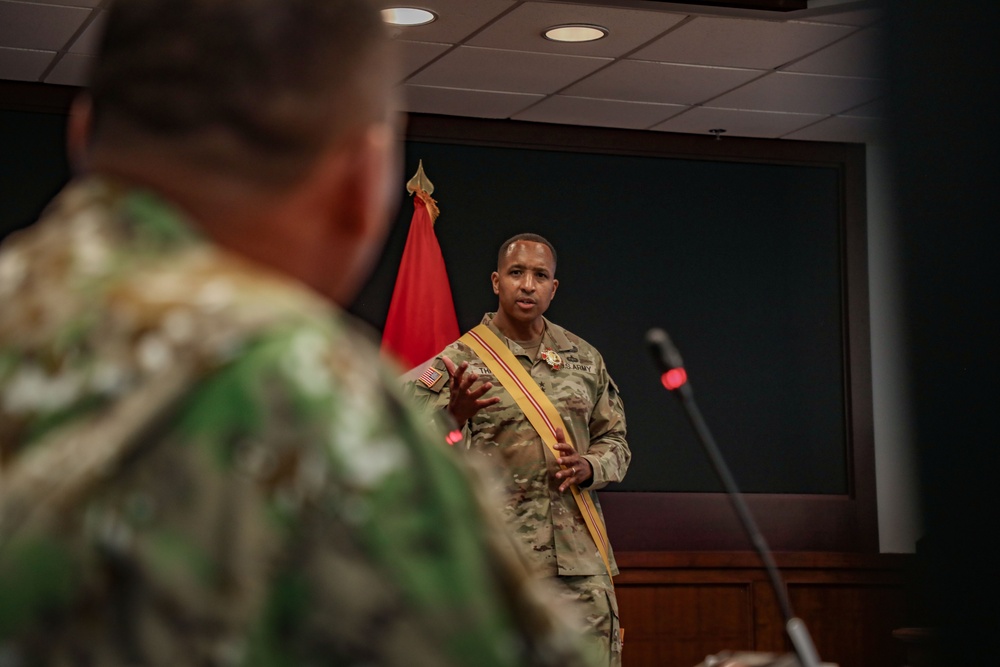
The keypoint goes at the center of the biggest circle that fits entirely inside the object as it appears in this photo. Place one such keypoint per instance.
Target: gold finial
(422, 187)
(420, 181)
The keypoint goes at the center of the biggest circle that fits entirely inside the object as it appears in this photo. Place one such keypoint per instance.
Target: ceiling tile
(640, 81)
(457, 19)
(73, 69)
(458, 102)
(842, 128)
(89, 40)
(521, 29)
(474, 68)
(801, 93)
(598, 113)
(23, 64)
(42, 27)
(414, 55)
(856, 55)
(737, 123)
(731, 42)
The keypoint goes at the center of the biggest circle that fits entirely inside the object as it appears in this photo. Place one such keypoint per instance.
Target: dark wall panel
(32, 165)
(739, 261)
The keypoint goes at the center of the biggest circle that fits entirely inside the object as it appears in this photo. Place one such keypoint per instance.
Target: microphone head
(663, 351)
(656, 336)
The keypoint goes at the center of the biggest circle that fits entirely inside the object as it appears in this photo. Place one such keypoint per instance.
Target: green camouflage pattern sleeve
(201, 463)
(547, 523)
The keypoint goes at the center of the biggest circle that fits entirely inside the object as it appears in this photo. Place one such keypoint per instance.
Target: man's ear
(495, 279)
(79, 127)
(555, 286)
(359, 183)
(348, 197)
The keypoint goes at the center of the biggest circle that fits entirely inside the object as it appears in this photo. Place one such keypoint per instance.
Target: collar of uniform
(557, 335)
(554, 336)
(157, 223)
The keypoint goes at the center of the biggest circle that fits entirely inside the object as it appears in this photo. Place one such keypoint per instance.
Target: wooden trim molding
(36, 97)
(651, 521)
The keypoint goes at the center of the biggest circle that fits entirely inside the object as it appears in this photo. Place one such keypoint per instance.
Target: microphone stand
(668, 359)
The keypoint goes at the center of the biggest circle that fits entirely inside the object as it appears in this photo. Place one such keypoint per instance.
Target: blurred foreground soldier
(538, 401)
(200, 463)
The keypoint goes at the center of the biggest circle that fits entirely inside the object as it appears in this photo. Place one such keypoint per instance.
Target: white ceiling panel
(598, 113)
(753, 44)
(458, 102)
(735, 122)
(25, 25)
(73, 69)
(801, 93)
(842, 128)
(640, 81)
(856, 55)
(457, 19)
(414, 55)
(23, 64)
(475, 68)
(752, 73)
(89, 40)
(522, 29)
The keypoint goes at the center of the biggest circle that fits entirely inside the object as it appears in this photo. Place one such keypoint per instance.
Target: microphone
(668, 360)
(674, 378)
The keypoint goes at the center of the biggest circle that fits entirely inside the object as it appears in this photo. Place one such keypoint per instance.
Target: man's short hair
(533, 238)
(252, 87)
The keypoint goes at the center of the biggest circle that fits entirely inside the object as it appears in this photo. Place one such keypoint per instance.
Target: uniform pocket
(617, 634)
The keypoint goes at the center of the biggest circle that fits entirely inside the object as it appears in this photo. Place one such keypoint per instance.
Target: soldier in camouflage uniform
(539, 507)
(201, 462)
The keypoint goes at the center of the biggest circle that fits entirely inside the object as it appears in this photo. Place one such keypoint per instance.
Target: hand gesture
(576, 469)
(465, 399)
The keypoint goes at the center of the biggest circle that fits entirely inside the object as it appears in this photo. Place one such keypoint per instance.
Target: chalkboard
(741, 261)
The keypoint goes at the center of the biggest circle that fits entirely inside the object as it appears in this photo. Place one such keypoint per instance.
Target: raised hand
(466, 393)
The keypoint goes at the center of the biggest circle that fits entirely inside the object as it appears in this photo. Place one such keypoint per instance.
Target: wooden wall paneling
(681, 623)
(679, 607)
(852, 623)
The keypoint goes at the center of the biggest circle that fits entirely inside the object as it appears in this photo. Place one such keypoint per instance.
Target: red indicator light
(674, 378)
(453, 437)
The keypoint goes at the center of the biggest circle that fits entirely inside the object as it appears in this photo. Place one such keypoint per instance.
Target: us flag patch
(429, 376)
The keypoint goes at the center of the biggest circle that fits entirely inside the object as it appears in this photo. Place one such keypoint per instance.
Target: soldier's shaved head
(506, 247)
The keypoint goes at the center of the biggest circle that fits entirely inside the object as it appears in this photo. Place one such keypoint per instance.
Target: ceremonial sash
(540, 413)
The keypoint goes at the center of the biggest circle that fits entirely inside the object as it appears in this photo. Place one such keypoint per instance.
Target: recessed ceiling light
(576, 32)
(408, 16)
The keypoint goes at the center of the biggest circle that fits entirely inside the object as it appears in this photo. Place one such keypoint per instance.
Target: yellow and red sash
(540, 413)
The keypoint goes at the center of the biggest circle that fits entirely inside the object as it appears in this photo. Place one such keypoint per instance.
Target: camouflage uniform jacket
(547, 522)
(202, 463)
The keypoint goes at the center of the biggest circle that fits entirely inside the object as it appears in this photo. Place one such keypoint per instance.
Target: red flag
(421, 320)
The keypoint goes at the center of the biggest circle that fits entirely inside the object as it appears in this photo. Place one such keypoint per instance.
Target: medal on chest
(552, 358)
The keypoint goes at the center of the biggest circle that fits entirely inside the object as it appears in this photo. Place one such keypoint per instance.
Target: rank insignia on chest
(552, 358)
(429, 376)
